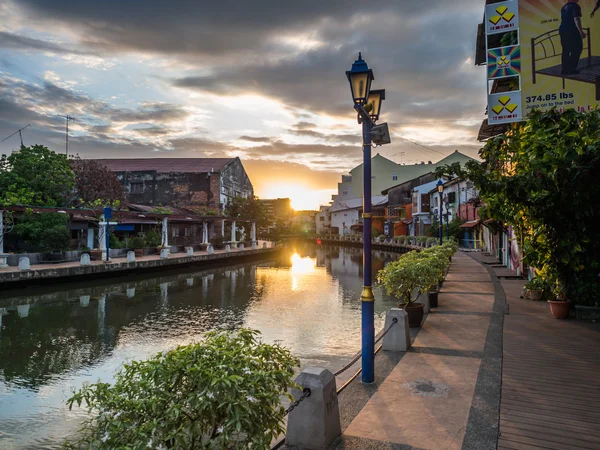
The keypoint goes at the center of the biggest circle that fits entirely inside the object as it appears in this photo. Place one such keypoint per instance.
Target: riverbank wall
(12, 278)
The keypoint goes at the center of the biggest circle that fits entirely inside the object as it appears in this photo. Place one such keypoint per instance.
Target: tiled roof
(166, 165)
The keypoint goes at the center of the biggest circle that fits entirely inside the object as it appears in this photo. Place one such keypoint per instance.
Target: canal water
(54, 339)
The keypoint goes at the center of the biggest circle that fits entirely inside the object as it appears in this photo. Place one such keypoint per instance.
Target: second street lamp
(367, 104)
(440, 188)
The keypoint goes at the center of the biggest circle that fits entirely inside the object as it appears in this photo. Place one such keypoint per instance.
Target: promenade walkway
(476, 378)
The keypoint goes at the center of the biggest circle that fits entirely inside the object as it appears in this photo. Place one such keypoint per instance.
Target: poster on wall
(560, 53)
(554, 59)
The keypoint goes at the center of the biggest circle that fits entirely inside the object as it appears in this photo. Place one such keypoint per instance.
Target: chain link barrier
(305, 395)
(357, 357)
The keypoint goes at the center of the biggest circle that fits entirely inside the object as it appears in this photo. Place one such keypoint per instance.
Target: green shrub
(137, 242)
(222, 393)
(152, 239)
(56, 238)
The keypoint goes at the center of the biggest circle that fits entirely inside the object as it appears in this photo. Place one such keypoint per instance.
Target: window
(136, 188)
(424, 202)
(322, 218)
(187, 232)
(394, 177)
(345, 192)
(451, 197)
(345, 215)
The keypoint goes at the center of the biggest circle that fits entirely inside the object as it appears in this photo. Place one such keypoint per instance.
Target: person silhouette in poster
(595, 9)
(571, 36)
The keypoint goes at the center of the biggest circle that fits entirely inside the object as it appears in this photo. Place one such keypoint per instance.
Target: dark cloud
(15, 41)
(257, 139)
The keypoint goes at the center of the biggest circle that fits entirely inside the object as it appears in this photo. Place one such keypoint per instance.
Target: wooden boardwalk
(550, 379)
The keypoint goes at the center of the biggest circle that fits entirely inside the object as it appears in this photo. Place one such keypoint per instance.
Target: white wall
(344, 219)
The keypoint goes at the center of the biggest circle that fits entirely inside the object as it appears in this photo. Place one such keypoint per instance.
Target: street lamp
(367, 104)
(440, 188)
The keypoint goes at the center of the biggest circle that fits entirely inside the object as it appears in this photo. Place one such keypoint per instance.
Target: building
(386, 173)
(182, 182)
(279, 209)
(305, 221)
(346, 217)
(323, 220)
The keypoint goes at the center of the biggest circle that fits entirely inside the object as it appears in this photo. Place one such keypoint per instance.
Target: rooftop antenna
(20, 135)
(68, 118)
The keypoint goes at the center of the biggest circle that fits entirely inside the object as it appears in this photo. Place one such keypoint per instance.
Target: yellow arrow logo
(504, 104)
(504, 14)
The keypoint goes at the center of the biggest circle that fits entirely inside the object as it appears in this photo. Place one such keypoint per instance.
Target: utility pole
(68, 118)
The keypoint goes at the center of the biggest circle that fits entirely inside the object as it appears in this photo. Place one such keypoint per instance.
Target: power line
(421, 145)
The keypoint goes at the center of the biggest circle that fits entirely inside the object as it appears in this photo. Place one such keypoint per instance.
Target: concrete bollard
(85, 260)
(315, 422)
(189, 251)
(241, 246)
(164, 253)
(130, 256)
(264, 245)
(24, 264)
(130, 292)
(254, 246)
(210, 250)
(398, 338)
(227, 248)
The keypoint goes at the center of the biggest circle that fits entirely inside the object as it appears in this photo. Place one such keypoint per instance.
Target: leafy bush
(536, 284)
(152, 239)
(56, 238)
(137, 242)
(114, 242)
(222, 393)
(31, 226)
(410, 274)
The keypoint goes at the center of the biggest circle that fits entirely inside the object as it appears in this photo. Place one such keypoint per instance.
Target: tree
(35, 176)
(541, 177)
(43, 231)
(95, 184)
(247, 208)
(222, 393)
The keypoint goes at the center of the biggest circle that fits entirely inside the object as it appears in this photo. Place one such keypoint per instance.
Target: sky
(262, 80)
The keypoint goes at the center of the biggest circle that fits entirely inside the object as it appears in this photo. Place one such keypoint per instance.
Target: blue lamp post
(440, 188)
(367, 104)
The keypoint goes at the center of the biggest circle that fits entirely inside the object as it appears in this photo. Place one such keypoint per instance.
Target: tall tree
(246, 208)
(35, 176)
(95, 184)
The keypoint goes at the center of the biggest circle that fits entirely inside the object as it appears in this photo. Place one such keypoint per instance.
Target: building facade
(182, 182)
(323, 220)
(278, 209)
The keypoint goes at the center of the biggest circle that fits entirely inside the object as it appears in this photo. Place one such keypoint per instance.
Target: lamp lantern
(376, 96)
(360, 78)
(440, 185)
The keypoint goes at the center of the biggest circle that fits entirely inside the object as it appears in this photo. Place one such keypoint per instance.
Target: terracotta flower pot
(415, 313)
(96, 255)
(138, 252)
(559, 309)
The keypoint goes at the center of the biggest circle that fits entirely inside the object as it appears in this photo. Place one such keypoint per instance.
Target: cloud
(18, 42)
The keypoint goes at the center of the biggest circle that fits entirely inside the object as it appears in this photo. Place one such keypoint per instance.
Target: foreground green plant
(222, 393)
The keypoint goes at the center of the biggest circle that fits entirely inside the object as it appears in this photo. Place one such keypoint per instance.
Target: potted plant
(560, 306)
(137, 243)
(404, 278)
(96, 254)
(535, 288)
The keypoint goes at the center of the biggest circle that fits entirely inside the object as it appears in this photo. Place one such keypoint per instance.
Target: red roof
(166, 165)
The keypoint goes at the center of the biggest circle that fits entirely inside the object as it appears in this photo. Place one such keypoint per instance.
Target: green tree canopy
(541, 177)
(35, 176)
(247, 208)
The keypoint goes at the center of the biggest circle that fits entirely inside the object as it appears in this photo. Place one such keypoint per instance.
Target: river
(54, 339)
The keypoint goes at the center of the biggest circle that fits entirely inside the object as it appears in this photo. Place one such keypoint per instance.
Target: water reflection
(54, 339)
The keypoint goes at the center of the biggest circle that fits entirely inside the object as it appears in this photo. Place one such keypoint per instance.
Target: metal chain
(357, 357)
(305, 395)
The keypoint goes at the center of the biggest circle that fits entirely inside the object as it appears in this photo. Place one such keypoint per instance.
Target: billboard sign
(561, 65)
(554, 62)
